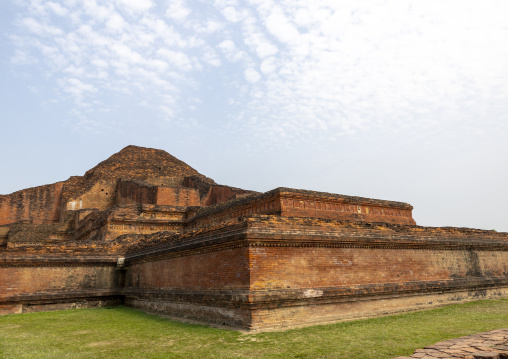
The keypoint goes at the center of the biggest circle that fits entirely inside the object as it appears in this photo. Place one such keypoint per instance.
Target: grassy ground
(127, 333)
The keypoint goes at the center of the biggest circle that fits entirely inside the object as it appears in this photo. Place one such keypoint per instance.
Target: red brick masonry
(492, 344)
(144, 229)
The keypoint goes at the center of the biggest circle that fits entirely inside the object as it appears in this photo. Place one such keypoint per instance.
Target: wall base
(282, 318)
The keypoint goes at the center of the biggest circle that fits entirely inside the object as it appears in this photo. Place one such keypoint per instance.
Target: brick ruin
(146, 230)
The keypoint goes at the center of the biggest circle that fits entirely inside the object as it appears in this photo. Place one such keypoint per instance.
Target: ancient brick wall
(223, 255)
(4, 232)
(206, 280)
(38, 204)
(302, 253)
(332, 208)
(303, 271)
(241, 207)
(319, 267)
(310, 271)
(223, 269)
(288, 202)
(100, 196)
(128, 219)
(43, 282)
(135, 192)
(219, 194)
(113, 229)
(177, 196)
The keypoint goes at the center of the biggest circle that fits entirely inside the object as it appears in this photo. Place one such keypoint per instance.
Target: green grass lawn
(122, 332)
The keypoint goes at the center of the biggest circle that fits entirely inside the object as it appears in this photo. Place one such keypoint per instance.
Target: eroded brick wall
(300, 253)
(133, 192)
(177, 196)
(287, 202)
(223, 269)
(38, 204)
(333, 209)
(219, 194)
(305, 271)
(48, 283)
(100, 196)
(322, 267)
(207, 284)
(36, 279)
(129, 192)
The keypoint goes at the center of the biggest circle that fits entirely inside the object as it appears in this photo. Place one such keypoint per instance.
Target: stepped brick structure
(146, 230)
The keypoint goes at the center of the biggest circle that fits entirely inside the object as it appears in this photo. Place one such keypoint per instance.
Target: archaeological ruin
(146, 230)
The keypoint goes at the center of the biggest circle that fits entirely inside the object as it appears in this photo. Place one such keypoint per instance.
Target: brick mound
(492, 344)
(135, 163)
(144, 229)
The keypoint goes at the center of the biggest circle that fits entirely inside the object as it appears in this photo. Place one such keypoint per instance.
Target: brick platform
(145, 229)
(492, 344)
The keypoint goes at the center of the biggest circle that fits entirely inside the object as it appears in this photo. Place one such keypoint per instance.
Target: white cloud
(261, 45)
(40, 29)
(116, 22)
(268, 65)
(231, 14)
(57, 8)
(22, 58)
(95, 11)
(228, 47)
(134, 6)
(127, 54)
(77, 88)
(251, 75)
(177, 10)
(281, 27)
(209, 27)
(177, 58)
(296, 67)
(210, 56)
(405, 88)
(231, 52)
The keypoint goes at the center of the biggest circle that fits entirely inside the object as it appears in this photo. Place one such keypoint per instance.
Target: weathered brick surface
(42, 282)
(38, 204)
(177, 196)
(135, 163)
(98, 187)
(145, 228)
(219, 194)
(303, 271)
(34, 279)
(224, 269)
(299, 203)
(289, 202)
(492, 344)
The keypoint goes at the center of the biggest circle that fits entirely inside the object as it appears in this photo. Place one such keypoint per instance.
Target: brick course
(145, 229)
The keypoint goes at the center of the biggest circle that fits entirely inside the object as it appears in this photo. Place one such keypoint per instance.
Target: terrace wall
(38, 204)
(267, 272)
(306, 271)
(129, 192)
(288, 202)
(208, 281)
(42, 282)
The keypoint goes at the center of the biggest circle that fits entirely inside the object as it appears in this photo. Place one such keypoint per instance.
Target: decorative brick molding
(145, 229)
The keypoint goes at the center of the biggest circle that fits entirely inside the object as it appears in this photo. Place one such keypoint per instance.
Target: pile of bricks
(491, 345)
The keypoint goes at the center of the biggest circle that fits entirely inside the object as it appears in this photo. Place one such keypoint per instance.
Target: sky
(396, 100)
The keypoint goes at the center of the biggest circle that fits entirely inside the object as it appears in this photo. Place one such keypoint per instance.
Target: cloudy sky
(399, 100)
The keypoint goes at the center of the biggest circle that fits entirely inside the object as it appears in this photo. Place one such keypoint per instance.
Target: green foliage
(122, 332)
